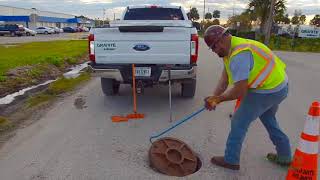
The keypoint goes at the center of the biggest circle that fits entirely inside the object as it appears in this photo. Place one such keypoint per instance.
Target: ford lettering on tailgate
(141, 47)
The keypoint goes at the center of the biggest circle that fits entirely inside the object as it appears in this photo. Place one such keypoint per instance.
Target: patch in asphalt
(80, 102)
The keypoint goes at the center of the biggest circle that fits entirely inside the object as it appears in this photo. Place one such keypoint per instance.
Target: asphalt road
(73, 143)
(42, 37)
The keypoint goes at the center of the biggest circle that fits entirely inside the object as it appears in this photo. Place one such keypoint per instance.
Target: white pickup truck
(155, 39)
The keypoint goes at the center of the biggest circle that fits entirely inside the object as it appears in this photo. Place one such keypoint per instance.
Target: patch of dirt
(19, 114)
(19, 71)
(22, 77)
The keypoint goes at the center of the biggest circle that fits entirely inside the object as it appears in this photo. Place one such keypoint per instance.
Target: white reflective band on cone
(308, 147)
(312, 126)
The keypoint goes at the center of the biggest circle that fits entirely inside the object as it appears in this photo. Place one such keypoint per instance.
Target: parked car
(85, 29)
(44, 30)
(12, 30)
(77, 29)
(57, 30)
(69, 29)
(29, 32)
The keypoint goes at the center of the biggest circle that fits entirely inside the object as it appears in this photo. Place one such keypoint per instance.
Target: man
(259, 79)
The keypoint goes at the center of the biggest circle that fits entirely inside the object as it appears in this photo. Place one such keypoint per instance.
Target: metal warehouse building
(33, 18)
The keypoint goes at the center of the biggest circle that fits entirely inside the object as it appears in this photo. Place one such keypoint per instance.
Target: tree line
(256, 13)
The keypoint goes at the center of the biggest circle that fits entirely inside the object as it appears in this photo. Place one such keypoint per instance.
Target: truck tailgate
(160, 45)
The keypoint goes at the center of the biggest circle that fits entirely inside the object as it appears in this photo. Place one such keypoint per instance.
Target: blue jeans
(256, 105)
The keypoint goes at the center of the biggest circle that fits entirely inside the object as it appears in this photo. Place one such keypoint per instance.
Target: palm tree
(259, 10)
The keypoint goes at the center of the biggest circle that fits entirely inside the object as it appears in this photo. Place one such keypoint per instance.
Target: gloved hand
(211, 102)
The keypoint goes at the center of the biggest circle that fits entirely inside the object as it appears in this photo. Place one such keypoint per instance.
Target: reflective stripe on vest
(267, 69)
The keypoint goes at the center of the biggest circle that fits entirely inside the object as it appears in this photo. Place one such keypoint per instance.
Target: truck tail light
(91, 48)
(194, 48)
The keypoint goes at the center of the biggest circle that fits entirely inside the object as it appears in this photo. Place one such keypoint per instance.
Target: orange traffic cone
(305, 161)
(237, 105)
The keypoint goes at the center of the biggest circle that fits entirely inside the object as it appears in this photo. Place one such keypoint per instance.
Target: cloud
(96, 1)
(95, 8)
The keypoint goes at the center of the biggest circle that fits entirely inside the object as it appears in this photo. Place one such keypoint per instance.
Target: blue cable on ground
(177, 124)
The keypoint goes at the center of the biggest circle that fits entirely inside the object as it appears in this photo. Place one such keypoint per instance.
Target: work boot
(274, 158)
(219, 161)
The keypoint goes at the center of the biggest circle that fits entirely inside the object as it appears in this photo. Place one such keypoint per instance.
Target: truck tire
(188, 89)
(110, 86)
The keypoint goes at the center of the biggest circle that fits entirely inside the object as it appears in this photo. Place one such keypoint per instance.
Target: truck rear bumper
(120, 73)
(178, 74)
(106, 73)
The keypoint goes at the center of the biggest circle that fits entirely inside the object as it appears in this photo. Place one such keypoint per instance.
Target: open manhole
(173, 157)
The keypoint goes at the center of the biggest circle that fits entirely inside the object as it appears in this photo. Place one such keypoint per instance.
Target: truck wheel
(188, 89)
(110, 86)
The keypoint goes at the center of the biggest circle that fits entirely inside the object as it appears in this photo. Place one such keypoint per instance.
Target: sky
(103, 9)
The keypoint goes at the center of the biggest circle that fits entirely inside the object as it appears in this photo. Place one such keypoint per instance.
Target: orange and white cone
(305, 161)
(237, 105)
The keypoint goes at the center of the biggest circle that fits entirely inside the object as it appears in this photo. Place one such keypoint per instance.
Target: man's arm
(239, 89)
(222, 84)
(240, 67)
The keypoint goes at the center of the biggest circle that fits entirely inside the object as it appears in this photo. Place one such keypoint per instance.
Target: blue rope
(177, 124)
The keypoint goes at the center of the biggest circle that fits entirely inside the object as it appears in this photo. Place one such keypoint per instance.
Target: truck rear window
(154, 14)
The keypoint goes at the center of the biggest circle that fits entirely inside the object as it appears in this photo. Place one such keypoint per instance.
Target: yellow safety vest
(268, 70)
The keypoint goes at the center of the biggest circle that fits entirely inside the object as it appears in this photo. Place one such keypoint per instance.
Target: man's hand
(211, 102)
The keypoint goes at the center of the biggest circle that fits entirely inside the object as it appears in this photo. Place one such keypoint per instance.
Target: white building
(33, 18)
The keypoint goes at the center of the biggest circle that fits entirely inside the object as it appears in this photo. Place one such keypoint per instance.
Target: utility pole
(233, 8)
(269, 23)
(204, 9)
(104, 15)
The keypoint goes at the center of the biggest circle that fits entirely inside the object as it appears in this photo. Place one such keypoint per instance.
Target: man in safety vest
(259, 78)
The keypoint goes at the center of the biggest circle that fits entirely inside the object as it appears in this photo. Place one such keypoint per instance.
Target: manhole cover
(173, 157)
